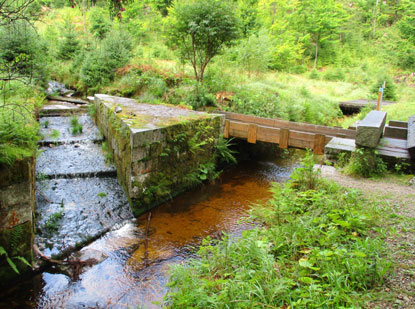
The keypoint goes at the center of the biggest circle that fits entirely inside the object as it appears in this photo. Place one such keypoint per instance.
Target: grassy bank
(317, 246)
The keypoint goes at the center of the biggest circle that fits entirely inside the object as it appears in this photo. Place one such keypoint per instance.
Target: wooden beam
(226, 131)
(319, 143)
(400, 124)
(284, 138)
(252, 129)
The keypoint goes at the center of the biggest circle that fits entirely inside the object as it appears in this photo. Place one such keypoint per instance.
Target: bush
(334, 74)
(390, 89)
(23, 50)
(100, 22)
(69, 46)
(18, 128)
(314, 74)
(199, 97)
(365, 162)
(100, 65)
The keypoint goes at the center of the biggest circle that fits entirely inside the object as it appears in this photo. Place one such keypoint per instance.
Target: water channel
(121, 277)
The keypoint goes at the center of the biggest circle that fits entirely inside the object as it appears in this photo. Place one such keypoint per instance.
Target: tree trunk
(315, 58)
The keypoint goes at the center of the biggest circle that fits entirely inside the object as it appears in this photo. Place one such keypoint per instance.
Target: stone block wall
(17, 202)
(157, 160)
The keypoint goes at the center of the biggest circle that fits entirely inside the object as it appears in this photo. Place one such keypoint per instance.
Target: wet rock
(71, 212)
(59, 130)
(57, 88)
(74, 160)
(118, 109)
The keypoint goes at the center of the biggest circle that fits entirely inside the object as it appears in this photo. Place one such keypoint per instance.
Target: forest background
(289, 59)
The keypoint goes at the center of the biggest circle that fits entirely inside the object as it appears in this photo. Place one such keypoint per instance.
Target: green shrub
(99, 66)
(314, 74)
(390, 89)
(298, 69)
(198, 96)
(18, 134)
(100, 24)
(22, 50)
(69, 46)
(334, 74)
(365, 162)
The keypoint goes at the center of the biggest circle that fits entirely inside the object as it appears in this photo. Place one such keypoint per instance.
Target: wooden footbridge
(284, 133)
(398, 140)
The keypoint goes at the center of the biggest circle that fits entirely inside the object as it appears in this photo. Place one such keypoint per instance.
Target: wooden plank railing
(285, 133)
(297, 126)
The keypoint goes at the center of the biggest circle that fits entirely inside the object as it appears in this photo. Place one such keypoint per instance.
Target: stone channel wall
(17, 202)
(159, 151)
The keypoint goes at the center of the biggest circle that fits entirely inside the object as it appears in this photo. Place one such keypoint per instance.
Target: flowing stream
(122, 267)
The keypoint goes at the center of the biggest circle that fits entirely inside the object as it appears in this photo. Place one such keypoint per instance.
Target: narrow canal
(123, 273)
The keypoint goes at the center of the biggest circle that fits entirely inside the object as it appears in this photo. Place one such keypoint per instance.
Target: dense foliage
(200, 30)
(315, 249)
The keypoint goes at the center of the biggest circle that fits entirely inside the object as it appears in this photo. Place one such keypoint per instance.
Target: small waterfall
(78, 196)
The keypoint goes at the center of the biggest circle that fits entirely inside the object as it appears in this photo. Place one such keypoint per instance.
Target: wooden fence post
(252, 133)
(284, 138)
(319, 143)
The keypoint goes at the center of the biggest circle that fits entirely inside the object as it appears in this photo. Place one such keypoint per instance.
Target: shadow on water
(120, 278)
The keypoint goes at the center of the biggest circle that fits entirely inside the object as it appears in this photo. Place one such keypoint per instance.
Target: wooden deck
(284, 133)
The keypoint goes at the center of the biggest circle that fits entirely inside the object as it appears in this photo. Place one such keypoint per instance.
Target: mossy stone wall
(153, 165)
(17, 203)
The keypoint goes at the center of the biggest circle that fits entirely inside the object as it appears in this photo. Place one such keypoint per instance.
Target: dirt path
(398, 291)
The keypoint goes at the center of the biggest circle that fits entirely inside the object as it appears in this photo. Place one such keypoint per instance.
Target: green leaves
(199, 30)
(11, 263)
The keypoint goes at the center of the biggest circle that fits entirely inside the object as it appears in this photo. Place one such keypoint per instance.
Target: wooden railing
(284, 133)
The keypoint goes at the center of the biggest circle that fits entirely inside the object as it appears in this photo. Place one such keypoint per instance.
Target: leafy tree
(254, 53)
(247, 12)
(278, 17)
(199, 30)
(320, 20)
(407, 24)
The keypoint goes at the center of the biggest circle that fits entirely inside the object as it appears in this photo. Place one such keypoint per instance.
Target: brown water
(124, 278)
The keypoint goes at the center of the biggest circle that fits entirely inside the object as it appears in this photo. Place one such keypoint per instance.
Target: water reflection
(120, 279)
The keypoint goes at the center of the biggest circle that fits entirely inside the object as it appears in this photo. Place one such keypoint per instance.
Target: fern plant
(10, 261)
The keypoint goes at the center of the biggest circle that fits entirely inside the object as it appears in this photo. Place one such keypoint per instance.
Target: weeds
(55, 134)
(76, 126)
(315, 249)
(109, 157)
(223, 151)
(102, 194)
(52, 224)
(365, 162)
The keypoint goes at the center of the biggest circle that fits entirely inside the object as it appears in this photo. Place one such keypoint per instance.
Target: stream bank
(120, 276)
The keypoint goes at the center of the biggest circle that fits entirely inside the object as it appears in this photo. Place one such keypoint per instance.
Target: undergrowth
(315, 249)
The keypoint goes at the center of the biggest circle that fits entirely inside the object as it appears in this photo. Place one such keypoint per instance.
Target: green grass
(316, 249)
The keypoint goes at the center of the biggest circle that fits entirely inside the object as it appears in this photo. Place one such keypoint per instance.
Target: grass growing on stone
(316, 247)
